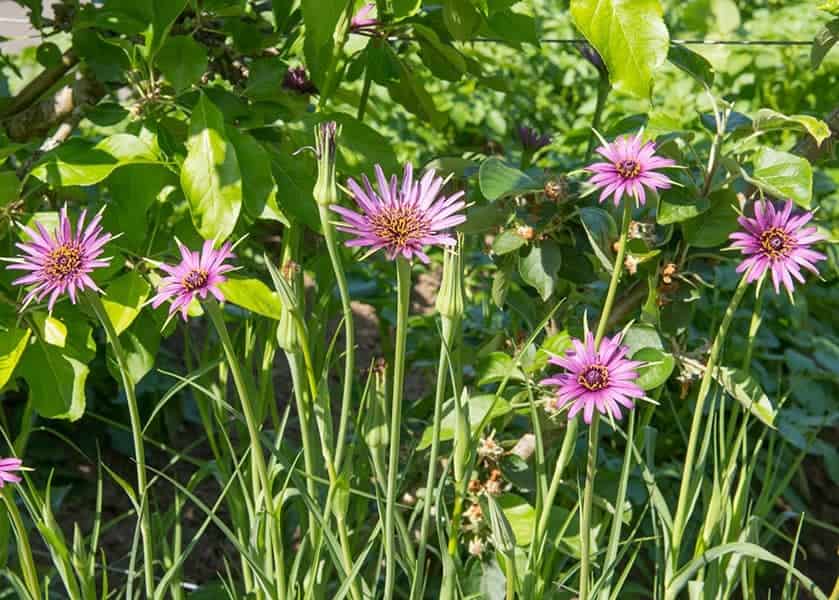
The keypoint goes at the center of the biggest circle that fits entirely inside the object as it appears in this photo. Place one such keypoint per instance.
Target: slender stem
(349, 331)
(448, 327)
(295, 366)
(137, 435)
(403, 299)
(686, 486)
(27, 563)
(616, 274)
(365, 92)
(257, 456)
(562, 461)
(591, 463)
(603, 89)
(754, 326)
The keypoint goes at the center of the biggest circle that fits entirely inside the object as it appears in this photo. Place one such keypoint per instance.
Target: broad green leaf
(123, 299)
(784, 175)
(163, 15)
(496, 179)
(497, 367)
(253, 295)
(76, 162)
(140, 343)
(9, 187)
(462, 19)
(520, 515)
(321, 18)
(831, 6)
(641, 336)
(747, 391)
(767, 119)
(405, 8)
(601, 231)
(695, 65)
(12, 344)
(826, 38)
(182, 61)
(678, 204)
(479, 408)
(631, 37)
(56, 381)
(360, 146)
(658, 368)
(259, 192)
(134, 189)
(481, 219)
(506, 242)
(539, 266)
(210, 176)
(410, 92)
(295, 181)
(514, 26)
(712, 227)
(442, 59)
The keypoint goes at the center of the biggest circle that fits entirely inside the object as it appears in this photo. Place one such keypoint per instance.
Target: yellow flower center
(776, 242)
(399, 225)
(628, 169)
(64, 261)
(595, 377)
(195, 279)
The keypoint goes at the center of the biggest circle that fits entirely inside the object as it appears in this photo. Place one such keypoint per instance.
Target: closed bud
(525, 232)
(326, 139)
(450, 297)
(556, 189)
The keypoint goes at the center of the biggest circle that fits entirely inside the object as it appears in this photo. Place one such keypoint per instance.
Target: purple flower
(7, 468)
(297, 80)
(630, 168)
(776, 240)
(61, 262)
(361, 20)
(401, 219)
(602, 379)
(530, 138)
(195, 276)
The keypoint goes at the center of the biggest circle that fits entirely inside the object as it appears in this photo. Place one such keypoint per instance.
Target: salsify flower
(297, 80)
(531, 140)
(361, 20)
(778, 241)
(401, 219)
(8, 466)
(197, 275)
(601, 378)
(630, 170)
(62, 262)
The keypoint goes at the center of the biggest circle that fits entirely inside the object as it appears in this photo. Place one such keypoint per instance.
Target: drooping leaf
(442, 59)
(642, 336)
(695, 65)
(657, 368)
(56, 379)
(506, 242)
(520, 515)
(259, 192)
(210, 175)
(321, 18)
(767, 119)
(747, 391)
(253, 295)
(825, 39)
(462, 19)
(134, 189)
(497, 367)
(630, 36)
(12, 344)
(678, 204)
(784, 175)
(712, 227)
(123, 299)
(538, 268)
(182, 61)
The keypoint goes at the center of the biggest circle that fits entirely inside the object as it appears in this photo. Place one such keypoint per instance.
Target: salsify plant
(488, 332)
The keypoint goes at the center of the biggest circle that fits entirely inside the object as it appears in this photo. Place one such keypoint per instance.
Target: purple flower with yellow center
(8, 466)
(297, 80)
(596, 378)
(401, 219)
(362, 21)
(630, 170)
(62, 262)
(197, 275)
(531, 140)
(777, 241)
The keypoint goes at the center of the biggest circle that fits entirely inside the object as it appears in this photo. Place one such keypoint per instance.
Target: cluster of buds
(525, 232)
(489, 450)
(556, 189)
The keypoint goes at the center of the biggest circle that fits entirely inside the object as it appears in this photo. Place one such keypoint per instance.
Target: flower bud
(326, 139)
(450, 297)
(525, 232)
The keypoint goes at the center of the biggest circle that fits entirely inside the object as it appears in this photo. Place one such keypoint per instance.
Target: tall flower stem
(681, 515)
(403, 299)
(257, 456)
(591, 460)
(137, 436)
(562, 461)
(754, 326)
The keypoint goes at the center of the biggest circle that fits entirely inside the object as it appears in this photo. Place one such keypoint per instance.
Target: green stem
(257, 456)
(295, 366)
(603, 89)
(365, 92)
(754, 326)
(449, 326)
(137, 435)
(27, 563)
(562, 461)
(349, 330)
(591, 463)
(686, 485)
(403, 299)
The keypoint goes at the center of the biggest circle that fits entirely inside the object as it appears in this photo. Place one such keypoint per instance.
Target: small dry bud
(476, 547)
(474, 514)
(556, 189)
(489, 449)
(526, 232)
(631, 265)
(475, 486)
(525, 447)
(668, 272)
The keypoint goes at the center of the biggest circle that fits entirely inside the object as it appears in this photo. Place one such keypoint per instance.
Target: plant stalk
(27, 562)
(403, 299)
(603, 89)
(137, 436)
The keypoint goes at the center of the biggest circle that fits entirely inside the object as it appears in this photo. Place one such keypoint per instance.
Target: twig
(39, 86)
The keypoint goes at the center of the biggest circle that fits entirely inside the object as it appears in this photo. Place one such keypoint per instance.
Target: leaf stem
(137, 436)
(686, 484)
(403, 299)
